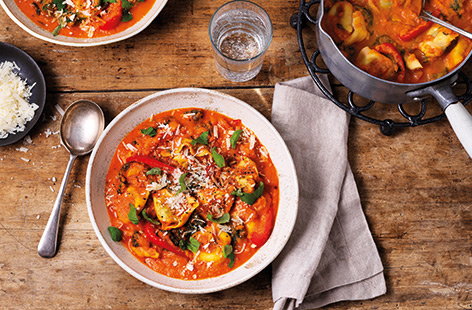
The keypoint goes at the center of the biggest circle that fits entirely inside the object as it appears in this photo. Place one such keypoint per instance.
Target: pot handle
(458, 116)
(461, 122)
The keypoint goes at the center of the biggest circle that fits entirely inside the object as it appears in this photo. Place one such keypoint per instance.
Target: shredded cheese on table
(15, 110)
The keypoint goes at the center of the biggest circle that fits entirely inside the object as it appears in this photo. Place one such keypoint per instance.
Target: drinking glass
(240, 33)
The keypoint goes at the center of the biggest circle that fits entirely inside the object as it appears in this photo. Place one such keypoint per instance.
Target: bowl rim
(150, 19)
(289, 226)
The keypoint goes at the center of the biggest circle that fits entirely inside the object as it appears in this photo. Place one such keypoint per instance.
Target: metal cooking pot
(374, 88)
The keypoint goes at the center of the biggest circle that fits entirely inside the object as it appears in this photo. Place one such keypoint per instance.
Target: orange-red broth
(32, 9)
(180, 126)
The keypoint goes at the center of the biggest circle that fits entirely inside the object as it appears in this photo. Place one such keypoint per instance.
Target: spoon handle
(427, 16)
(47, 246)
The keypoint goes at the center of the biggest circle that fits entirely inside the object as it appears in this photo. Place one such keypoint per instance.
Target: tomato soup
(191, 193)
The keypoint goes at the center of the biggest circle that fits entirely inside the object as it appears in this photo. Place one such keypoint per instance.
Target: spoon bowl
(81, 126)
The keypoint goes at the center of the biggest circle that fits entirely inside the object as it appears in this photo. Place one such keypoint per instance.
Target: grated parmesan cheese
(22, 149)
(15, 110)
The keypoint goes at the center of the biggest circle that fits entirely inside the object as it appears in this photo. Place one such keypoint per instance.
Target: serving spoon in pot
(81, 126)
(430, 17)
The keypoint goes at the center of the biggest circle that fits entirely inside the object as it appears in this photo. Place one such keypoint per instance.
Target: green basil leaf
(56, 30)
(127, 16)
(235, 137)
(154, 171)
(133, 215)
(147, 218)
(250, 198)
(148, 131)
(239, 192)
(193, 245)
(227, 250)
(115, 233)
(125, 4)
(59, 4)
(202, 139)
(183, 186)
(228, 253)
(221, 220)
(218, 158)
(108, 1)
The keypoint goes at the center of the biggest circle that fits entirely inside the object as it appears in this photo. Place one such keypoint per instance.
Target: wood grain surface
(416, 187)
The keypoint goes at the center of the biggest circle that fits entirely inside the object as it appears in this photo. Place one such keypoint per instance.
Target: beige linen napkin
(331, 255)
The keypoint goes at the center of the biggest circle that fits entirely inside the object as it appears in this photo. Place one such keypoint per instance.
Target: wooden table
(416, 187)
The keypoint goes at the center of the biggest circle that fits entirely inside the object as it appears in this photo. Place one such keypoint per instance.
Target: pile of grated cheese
(15, 110)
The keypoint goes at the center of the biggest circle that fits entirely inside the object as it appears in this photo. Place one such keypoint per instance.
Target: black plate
(30, 72)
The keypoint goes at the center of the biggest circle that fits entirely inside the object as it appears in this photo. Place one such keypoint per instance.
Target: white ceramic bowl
(211, 100)
(14, 12)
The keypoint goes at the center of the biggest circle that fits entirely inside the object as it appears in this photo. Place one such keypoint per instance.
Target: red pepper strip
(150, 235)
(390, 50)
(150, 162)
(113, 16)
(260, 236)
(410, 35)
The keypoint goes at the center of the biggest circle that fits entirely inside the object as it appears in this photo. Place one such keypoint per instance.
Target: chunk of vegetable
(457, 54)
(375, 63)
(415, 32)
(391, 51)
(343, 10)
(360, 32)
(439, 38)
(150, 235)
(412, 63)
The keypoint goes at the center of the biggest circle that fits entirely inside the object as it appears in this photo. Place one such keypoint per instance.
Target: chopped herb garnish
(228, 253)
(108, 1)
(183, 186)
(235, 137)
(125, 4)
(115, 233)
(132, 214)
(59, 4)
(149, 131)
(218, 158)
(193, 245)
(147, 218)
(154, 171)
(202, 139)
(127, 16)
(221, 220)
(56, 30)
(250, 198)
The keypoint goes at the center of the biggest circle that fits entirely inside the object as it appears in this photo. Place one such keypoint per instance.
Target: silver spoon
(428, 16)
(81, 125)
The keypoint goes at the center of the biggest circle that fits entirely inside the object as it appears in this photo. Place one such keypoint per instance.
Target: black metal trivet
(387, 126)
